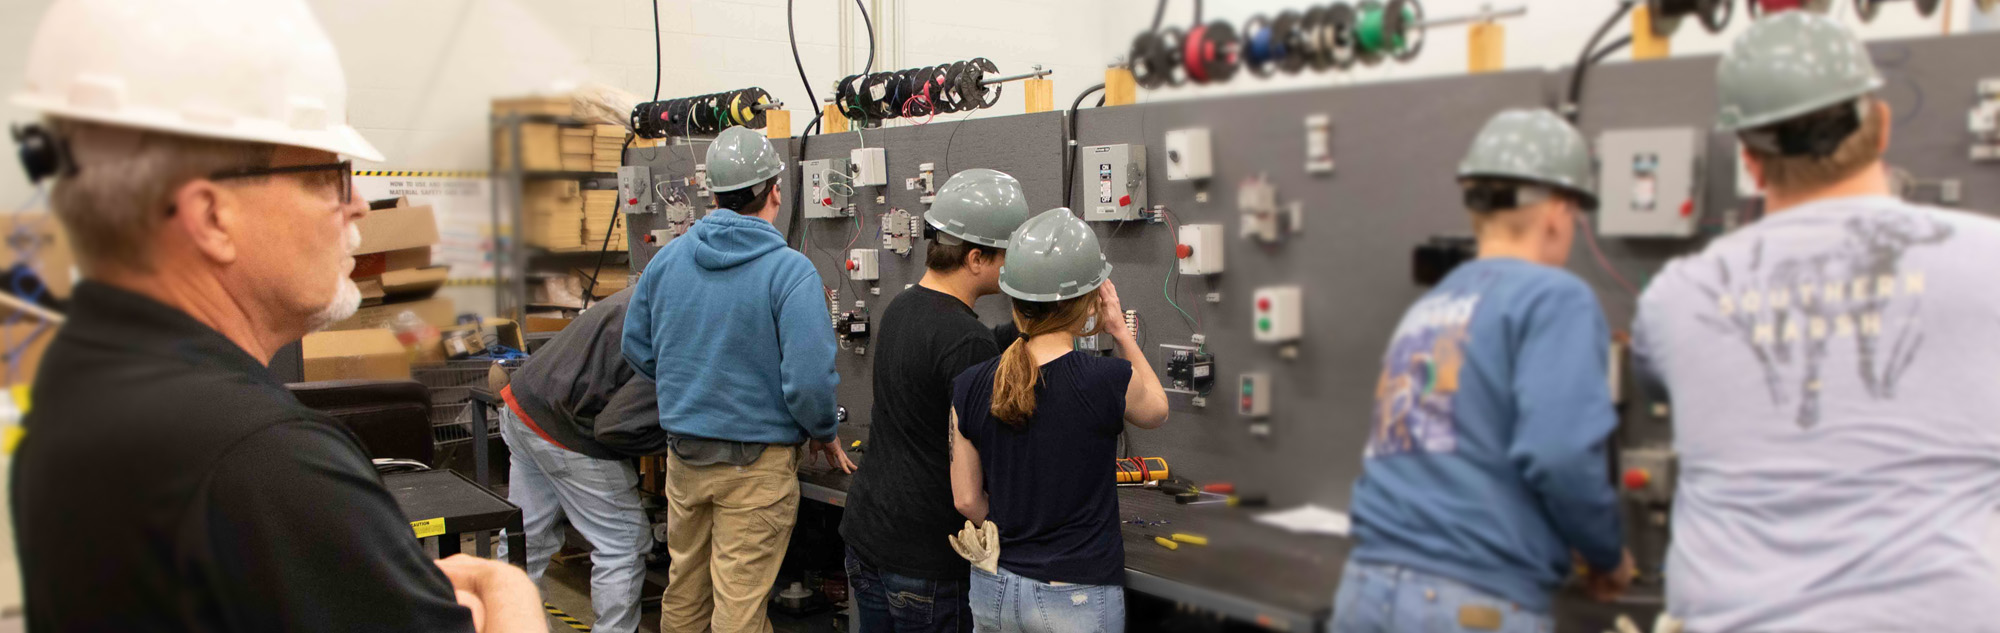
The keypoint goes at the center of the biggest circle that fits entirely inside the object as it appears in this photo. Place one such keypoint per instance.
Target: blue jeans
(1377, 598)
(1007, 603)
(892, 603)
(601, 498)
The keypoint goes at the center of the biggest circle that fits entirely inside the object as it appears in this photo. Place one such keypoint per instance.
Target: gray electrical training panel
(1114, 182)
(1647, 182)
(827, 187)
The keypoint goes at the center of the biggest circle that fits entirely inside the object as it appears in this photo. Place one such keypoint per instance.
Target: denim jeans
(601, 498)
(893, 603)
(1007, 603)
(1377, 598)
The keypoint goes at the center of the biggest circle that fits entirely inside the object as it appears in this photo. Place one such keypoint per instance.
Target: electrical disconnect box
(851, 327)
(1277, 314)
(870, 167)
(1200, 249)
(1254, 394)
(1319, 144)
(827, 188)
(1263, 219)
(864, 264)
(635, 189)
(1648, 182)
(1984, 122)
(1114, 182)
(1189, 154)
(1189, 370)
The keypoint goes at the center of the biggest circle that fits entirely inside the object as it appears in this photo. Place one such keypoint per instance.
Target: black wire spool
(1341, 43)
(941, 102)
(679, 117)
(1312, 36)
(919, 86)
(1219, 53)
(1145, 61)
(1289, 42)
(751, 102)
(1169, 56)
(1868, 9)
(1260, 46)
(874, 98)
(847, 97)
(1404, 23)
(899, 91)
(980, 67)
(1713, 14)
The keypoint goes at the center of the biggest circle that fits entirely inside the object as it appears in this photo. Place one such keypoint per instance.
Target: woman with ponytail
(1034, 436)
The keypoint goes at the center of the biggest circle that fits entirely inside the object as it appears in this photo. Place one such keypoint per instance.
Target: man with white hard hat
(168, 481)
(1830, 368)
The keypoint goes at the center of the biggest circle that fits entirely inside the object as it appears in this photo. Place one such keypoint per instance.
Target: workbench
(1249, 571)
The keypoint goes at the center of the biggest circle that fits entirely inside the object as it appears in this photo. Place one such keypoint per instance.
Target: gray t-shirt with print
(1834, 371)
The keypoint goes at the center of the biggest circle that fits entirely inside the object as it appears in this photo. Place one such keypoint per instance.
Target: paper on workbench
(1309, 519)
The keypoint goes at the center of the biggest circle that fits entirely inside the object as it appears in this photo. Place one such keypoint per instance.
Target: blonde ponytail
(1015, 379)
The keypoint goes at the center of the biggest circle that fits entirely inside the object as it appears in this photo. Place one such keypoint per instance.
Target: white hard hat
(247, 70)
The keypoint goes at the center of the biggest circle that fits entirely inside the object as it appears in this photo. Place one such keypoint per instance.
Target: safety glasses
(343, 175)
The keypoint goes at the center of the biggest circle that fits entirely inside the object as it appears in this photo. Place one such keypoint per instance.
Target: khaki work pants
(727, 529)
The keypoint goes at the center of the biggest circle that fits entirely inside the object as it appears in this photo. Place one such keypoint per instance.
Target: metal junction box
(827, 187)
(1647, 181)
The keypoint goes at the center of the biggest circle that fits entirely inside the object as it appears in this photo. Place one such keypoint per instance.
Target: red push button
(1687, 208)
(1183, 251)
(1125, 201)
(1636, 478)
(632, 201)
(850, 264)
(1263, 304)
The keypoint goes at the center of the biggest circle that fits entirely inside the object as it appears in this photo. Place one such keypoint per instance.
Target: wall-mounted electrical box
(1648, 181)
(899, 229)
(864, 264)
(1984, 122)
(1319, 144)
(870, 167)
(1254, 394)
(1200, 249)
(1263, 218)
(925, 181)
(1648, 475)
(1189, 154)
(1277, 314)
(1114, 187)
(635, 189)
(826, 187)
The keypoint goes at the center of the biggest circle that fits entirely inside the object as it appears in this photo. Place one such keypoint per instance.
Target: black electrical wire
(1588, 57)
(1159, 15)
(794, 227)
(1610, 49)
(605, 248)
(1069, 152)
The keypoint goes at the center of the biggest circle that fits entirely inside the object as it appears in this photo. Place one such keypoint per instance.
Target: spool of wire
(1392, 30)
(1338, 39)
(1290, 42)
(1260, 47)
(1313, 40)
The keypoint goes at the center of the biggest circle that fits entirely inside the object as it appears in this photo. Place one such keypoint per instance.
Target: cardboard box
(577, 163)
(421, 282)
(437, 311)
(397, 229)
(546, 324)
(541, 147)
(369, 354)
(43, 236)
(608, 154)
(578, 131)
(556, 105)
(577, 145)
(603, 130)
(371, 291)
(374, 264)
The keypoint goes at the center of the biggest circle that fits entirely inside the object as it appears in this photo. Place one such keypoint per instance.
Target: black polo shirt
(169, 482)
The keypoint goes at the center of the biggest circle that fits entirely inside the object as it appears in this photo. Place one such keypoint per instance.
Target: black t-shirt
(168, 482)
(899, 510)
(1052, 487)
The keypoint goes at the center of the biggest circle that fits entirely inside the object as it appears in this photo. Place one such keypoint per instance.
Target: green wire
(1168, 283)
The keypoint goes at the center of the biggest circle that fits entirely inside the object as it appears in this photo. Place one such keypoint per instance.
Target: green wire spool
(1370, 31)
(1395, 29)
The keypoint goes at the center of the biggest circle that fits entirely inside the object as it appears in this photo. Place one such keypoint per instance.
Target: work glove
(979, 546)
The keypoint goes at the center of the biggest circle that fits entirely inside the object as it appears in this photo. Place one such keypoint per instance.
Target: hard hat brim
(338, 139)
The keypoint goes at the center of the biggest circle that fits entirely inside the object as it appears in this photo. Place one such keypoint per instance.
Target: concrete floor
(567, 586)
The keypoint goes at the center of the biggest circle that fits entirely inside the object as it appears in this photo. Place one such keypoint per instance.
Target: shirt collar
(126, 320)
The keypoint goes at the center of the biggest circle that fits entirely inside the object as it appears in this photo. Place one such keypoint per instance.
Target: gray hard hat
(981, 206)
(1053, 257)
(1788, 65)
(740, 157)
(1534, 146)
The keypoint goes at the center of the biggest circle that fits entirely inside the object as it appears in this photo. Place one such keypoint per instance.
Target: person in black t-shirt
(899, 510)
(168, 481)
(1034, 437)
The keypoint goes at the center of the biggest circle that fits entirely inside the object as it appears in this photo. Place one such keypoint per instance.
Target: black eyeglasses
(344, 169)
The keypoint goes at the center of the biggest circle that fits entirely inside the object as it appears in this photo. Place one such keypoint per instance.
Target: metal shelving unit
(511, 260)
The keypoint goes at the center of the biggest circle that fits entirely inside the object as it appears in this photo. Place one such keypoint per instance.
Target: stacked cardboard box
(577, 146)
(607, 148)
(600, 211)
(553, 213)
(550, 147)
(610, 280)
(393, 267)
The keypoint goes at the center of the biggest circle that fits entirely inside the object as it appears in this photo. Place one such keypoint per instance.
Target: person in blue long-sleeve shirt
(1485, 470)
(733, 329)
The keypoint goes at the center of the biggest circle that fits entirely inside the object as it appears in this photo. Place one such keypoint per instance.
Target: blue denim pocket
(1078, 608)
(988, 592)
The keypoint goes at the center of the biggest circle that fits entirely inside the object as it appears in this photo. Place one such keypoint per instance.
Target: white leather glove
(979, 546)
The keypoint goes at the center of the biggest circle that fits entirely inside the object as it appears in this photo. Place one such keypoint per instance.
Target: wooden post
(1040, 94)
(1487, 47)
(777, 124)
(1646, 45)
(832, 121)
(1119, 87)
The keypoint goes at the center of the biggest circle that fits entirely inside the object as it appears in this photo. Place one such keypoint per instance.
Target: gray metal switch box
(1114, 182)
(1647, 182)
(827, 187)
(635, 190)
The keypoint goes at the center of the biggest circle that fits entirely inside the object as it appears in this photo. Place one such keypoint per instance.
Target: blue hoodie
(1487, 461)
(733, 329)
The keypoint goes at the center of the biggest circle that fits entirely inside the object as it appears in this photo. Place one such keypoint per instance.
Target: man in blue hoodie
(733, 329)
(1486, 469)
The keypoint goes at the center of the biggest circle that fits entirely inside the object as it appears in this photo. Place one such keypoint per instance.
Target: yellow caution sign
(428, 527)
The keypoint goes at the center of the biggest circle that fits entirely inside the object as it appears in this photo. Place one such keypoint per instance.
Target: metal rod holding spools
(1484, 15)
(1037, 74)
